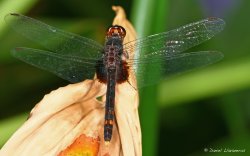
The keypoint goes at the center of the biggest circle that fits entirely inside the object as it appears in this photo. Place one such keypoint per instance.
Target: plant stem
(148, 17)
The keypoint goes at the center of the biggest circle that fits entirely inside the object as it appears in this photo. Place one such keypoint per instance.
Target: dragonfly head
(116, 30)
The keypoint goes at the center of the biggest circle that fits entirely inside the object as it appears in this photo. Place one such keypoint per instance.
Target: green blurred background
(205, 108)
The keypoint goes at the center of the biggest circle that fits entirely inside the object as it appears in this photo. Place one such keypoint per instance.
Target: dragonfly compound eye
(116, 30)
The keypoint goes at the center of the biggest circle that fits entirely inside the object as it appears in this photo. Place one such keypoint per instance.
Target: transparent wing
(171, 65)
(177, 40)
(73, 69)
(163, 52)
(55, 40)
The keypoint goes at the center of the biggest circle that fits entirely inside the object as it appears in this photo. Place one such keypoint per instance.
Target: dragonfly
(76, 58)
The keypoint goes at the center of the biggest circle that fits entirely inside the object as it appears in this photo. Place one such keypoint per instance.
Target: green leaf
(227, 77)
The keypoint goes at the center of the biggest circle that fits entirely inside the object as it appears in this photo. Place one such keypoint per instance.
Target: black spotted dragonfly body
(76, 58)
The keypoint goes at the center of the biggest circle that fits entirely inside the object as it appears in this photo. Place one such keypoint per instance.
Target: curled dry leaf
(69, 120)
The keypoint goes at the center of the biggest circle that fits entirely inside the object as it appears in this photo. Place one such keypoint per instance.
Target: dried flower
(69, 120)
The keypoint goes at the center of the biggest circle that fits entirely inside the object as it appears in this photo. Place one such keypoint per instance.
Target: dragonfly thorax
(113, 51)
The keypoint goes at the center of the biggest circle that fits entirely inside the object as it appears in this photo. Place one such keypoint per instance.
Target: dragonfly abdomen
(110, 104)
